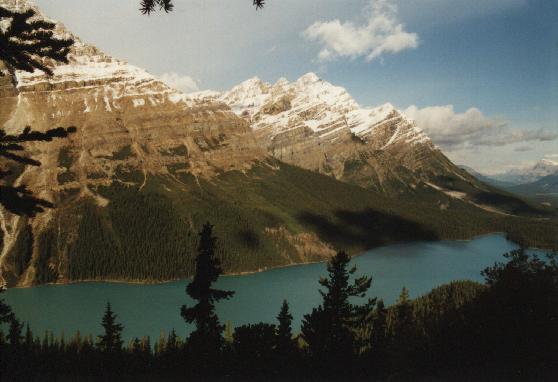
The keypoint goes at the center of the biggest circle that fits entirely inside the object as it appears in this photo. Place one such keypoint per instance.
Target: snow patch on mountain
(528, 174)
(312, 103)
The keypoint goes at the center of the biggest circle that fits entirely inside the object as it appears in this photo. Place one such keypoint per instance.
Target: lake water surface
(150, 309)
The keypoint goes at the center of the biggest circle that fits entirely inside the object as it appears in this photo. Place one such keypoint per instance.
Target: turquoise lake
(150, 309)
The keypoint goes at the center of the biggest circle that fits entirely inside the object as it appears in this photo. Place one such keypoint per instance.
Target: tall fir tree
(285, 343)
(379, 339)
(28, 337)
(172, 342)
(14, 334)
(135, 346)
(402, 315)
(6, 314)
(379, 328)
(111, 340)
(206, 341)
(329, 330)
(401, 327)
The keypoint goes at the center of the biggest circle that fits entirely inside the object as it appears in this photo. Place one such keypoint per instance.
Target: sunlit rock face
(128, 122)
(318, 126)
(131, 127)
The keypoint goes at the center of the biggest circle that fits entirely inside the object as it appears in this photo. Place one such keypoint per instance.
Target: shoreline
(246, 273)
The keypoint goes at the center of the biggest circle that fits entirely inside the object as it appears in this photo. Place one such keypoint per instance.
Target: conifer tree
(28, 337)
(207, 339)
(27, 44)
(329, 329)
(161, 343)
(379, 328)
(172, 342)
(111, 340)
(135, 346)
(402, 315)
(14, 334)
(403, 346)
(146, 345)
(285, 343)
(6, 314)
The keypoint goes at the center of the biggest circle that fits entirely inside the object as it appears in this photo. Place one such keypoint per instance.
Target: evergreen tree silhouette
(286, 347)
(285, 343)
(14, 334)
(111, 340)
(27, 44)
(28, 338)
(401, 327)
(329, 329)
(379, 329)
(206, 341)
(135, 346)
(517, 316)
(402, 320)
(6, 314)
(172, 342)
(379, 337)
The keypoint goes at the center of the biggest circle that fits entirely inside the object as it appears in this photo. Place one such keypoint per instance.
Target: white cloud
(471, 129)
(185, 84)
(382, 33)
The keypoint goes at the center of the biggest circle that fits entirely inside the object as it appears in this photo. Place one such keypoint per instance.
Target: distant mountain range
(547, 185)
(539, 181)
(487, 178)
(525, 175)
(287, 172)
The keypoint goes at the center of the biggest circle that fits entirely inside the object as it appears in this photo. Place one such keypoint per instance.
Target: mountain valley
(288, 173)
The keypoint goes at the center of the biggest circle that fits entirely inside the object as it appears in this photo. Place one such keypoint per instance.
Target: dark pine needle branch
(18, 199)
(148, 6)
(27, 43)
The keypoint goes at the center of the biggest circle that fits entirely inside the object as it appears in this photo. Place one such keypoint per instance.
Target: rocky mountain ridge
(528, 174)
(130, 126)
(318, 126)
(288, 173)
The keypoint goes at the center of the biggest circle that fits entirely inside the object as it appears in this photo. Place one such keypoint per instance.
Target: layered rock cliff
(130, 126)
(318, 126)
(288, 173)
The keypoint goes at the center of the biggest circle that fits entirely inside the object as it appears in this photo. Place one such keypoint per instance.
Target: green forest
(151, 234)
(503, 329)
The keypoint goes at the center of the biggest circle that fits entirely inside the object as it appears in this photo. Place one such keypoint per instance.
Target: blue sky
(481, 79)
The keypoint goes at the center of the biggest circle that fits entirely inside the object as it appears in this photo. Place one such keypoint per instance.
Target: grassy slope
(151, 234)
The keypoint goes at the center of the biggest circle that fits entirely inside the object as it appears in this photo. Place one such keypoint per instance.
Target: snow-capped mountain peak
(88, 66)
(530, 173)
(315, 124)
(546, 163)
(325, 110)
(308, 78)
